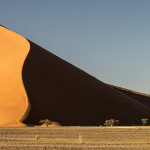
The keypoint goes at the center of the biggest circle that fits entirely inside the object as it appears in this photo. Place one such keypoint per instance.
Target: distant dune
(141, 97)
(59, 91)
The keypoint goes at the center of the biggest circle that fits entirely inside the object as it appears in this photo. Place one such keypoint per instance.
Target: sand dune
(13, 99)
(56, 89)
(140, 97)
(62, 92)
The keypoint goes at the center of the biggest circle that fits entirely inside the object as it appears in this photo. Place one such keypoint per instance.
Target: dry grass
(68, 138)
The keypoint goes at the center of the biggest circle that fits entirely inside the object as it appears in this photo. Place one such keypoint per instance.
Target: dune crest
(13, 98)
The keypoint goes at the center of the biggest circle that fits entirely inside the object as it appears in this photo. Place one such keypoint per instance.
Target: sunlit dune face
(13, 98)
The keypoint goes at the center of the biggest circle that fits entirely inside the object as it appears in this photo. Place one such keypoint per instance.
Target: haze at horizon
(108, 39)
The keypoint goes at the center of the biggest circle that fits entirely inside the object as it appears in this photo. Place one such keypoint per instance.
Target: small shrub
(107, 123)
(37, 137)
(144, 121)
(80, 138)
(116, 122)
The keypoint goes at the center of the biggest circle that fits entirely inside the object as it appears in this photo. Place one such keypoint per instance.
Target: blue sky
(109, 39)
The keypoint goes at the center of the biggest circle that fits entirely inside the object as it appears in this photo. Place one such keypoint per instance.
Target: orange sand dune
(13, 98)
(57, 90)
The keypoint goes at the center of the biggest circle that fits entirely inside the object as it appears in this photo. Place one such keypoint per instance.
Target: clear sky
(109, 39)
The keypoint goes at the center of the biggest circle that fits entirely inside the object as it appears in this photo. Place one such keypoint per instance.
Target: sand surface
(13, 98)
(75, 138)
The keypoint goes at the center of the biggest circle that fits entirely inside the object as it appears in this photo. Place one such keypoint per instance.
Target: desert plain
(75, 138)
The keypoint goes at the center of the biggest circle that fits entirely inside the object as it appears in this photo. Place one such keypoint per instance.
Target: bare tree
(107, 123)
(116, 122)
(144, 121)
(46, 121)
(111, 122)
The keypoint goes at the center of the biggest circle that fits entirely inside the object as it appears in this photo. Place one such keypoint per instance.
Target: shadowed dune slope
(61, 92)
(13, 98)
(142, 98)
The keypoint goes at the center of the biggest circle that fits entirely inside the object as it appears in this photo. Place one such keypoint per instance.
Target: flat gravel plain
(74, 138)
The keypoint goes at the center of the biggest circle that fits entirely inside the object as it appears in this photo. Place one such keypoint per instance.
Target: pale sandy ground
(13, 98)
(67, 138)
